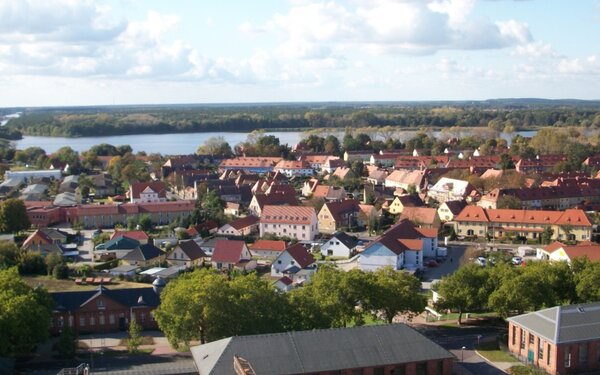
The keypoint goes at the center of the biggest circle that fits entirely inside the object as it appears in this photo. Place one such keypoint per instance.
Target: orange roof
(293, 164)
(410, 244)
(133, 234)
(574, 217)
(588, 250)
(270, 245)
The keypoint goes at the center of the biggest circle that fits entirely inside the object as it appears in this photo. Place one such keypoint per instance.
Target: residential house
(340, 245)
(560, 252)
(556, 197)
(259, 201)
(29, 175)
(402, 201)
(232, 255)
(296, 263)
(67, 199)
(146, 192)
(402, 246)
(374, 349)
(144, 256)
(297, 222)
(208, 245)
(208, 227)
(406, 178)
(293, 168)
(243, 226)
(285, 284)
(104, 310)
(343, 173)
(46, 241)
(251, 164)
(568, 225)
(125, 270)
(69, 184)
(308, 188)
(448, 210)
(450, 189)
(138, 235)
(118, 246)
(102, 185)
(558, 340)
(335, 216)
(363, 155)
(377, 177)
(232, 209)
(34, 192)
(269, 249)
(329, 193)
(385, 159)
(424, 217)
(331, 164)
(541, 163)
(186, 254)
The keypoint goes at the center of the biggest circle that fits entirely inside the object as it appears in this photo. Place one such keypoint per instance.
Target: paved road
(455, 339)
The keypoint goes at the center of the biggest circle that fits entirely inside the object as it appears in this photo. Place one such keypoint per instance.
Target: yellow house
(398, 204)
(335, 216)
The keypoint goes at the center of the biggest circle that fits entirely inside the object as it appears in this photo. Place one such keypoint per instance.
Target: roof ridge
(557, 327)
(295, 347)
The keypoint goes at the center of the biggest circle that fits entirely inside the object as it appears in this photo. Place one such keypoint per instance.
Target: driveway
(451, 264)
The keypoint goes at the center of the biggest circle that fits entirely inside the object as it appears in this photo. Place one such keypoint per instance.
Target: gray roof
(65, 199)
(319, 350)
(349, 241)
(123, 269)
(35, 189)
(144, 253)
(563, 324)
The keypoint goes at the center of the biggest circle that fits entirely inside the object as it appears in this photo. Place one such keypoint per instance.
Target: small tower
(158, 285)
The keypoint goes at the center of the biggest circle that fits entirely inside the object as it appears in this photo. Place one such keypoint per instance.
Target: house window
(531, 339)
(522, 339)
(101, 320)
(540, 349)
(92, 320)
(548, 355)
(82, 321)
(567, 357)
(111, 318)
(100, 304)
(583, 354)
(514, 335)
(143, 317)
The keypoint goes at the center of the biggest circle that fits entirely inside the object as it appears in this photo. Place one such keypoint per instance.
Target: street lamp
(462, 354)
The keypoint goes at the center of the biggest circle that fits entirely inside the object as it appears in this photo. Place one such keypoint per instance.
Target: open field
(68, 285)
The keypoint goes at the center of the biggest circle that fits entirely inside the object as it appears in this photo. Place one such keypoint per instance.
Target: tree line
(102, 121)
(509, 290)
(205, 305)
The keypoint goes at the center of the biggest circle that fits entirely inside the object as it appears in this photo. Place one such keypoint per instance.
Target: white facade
(379, 256)
(148, 195)
(413, 259)
(299, 231)
(335, 248)
(23, 175)
(290, 172)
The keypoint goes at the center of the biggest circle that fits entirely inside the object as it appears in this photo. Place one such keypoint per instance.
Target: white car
(481, 261)
(516, 261)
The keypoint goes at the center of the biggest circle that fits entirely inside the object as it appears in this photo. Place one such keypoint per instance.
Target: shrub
(60, 271)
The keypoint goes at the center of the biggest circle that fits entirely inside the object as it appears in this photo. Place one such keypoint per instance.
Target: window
(531, 339)
(540, 349)
(548, 355)
(111, 318)
(522, 339)
(583, 354)
(378, 371)
(143, 317)
(100, 304)
(82, 321)
(92, 320)
(514, 335)
(101, 320)
(567, 357)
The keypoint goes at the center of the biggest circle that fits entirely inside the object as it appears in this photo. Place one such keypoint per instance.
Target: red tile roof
(287, 215)
(244, 222)
(157, 186)
(403, 236)
(228, 251)
(568, 217)
(138, 235)
(302, 257)
(268, 245)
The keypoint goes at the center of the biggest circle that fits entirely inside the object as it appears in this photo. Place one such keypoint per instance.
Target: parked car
(432, 263)
(516, 261)
(481, 261)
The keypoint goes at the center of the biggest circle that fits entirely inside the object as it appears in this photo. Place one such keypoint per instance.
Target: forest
(505, 114)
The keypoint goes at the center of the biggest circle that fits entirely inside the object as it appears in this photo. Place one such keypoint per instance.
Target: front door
(122, 324)
(530, 356)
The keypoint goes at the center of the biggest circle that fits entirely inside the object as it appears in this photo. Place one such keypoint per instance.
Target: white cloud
(537, 49)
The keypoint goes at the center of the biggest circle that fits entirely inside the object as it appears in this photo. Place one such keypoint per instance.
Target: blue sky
(84, 52)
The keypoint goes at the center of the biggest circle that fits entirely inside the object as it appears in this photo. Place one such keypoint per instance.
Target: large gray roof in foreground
(319, 350)
(563, 324)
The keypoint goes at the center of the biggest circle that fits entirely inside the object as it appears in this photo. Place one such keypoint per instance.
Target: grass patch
(120, 353)
(67, 285)
(525, 370)
(145, 340)
(493, 353)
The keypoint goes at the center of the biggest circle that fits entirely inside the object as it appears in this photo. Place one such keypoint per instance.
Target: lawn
(493, 353)
(145, 340)
(68, 285)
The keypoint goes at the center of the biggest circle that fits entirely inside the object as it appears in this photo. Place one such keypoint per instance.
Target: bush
(67, 344)
(85, 270)
(60, 271)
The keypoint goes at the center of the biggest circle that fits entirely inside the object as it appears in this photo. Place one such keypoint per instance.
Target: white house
(294, 262)
(243, 226)
(299, 222)
(340, 245)
(142, 192)
(186, 254)
(560, 252)
(230, 255)
(294, 168)
(401, 246)
(449, 189)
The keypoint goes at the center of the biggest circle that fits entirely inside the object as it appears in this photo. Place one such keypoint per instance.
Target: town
(477, 233)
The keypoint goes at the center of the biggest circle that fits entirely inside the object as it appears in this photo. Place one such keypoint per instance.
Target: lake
(180, 143)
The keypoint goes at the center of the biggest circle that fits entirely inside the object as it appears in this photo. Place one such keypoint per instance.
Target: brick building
(105, 310)
(559, 340)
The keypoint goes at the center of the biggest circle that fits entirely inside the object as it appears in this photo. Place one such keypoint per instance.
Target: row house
(548, 197)
(145, 192)
(541, 163)
(361, 155)
(253, 164)
(297, 222)
(322, 163)
(105, 310)
(558, 340)
(243, 226)
(402, 246)
(259, 201)
(340, 215)
(106, 216)
(292, 168)
(568, 225)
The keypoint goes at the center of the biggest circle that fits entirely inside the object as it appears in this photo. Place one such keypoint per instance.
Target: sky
(88, 52)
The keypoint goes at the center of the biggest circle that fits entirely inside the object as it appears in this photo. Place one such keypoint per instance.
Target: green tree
(9, 255)
(215, 146)
(135, 336)
(24, 314)
(52, 260)
(506, 162)
(13, 216)
(60, 271)
(67, 343)
(463, 290)
(510, 202)
(145, 223)
(587, 276)
(546, 235)
(393, 293)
